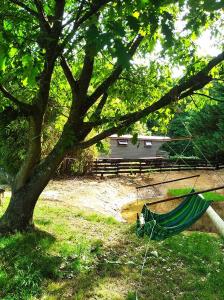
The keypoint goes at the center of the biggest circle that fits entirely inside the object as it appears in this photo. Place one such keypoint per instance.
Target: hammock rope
(161, 226)
(141, 219)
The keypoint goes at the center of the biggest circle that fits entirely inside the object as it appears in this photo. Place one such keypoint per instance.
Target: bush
(78, 163)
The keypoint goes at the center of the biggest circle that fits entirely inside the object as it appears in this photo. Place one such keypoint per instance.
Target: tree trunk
(19, 214)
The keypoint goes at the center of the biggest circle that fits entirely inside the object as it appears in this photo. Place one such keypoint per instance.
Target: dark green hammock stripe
(180, 215)
(162, 226)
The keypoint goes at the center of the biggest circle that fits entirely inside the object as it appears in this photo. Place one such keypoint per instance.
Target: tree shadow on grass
(100, 269)
(25, 263)
(108, 277)
(27, 266)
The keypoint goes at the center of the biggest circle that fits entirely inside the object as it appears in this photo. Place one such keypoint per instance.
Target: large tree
(84, 57)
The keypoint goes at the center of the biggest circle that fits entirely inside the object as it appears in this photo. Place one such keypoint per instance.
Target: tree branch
(209, 97)
(77, 16)
(58, 16)
(218, 79)
(99, 109)
(25, 7)
(33, 153)
(26, 108)
(87, 71)
(41, 16)
(176, 93)
(68, 73)
(51, 44)
(95, 8)
(102, 89)
(201, 81)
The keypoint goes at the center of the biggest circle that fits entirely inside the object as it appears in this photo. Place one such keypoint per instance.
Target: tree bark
(19, 213)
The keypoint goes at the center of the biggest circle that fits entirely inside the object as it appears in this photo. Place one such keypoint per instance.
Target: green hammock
(162, 226)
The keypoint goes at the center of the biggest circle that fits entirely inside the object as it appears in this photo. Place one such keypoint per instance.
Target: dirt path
(109, 195)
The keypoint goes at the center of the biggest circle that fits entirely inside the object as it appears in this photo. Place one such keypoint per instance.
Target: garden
(73, 76)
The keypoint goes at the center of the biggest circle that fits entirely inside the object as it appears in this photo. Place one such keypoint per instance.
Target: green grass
(83, 256)
(213, 196)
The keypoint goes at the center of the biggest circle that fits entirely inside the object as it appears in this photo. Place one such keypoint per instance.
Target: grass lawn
(80, 256)
(214, 196)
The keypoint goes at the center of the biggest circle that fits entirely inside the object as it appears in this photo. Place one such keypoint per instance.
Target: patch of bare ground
(207, 179)
(117, 197)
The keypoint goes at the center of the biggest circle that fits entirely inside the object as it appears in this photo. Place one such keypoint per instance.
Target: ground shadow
(25, 263)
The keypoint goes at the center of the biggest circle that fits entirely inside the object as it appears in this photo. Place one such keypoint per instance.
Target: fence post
(117, 168)
(217, 165)
(96, 167)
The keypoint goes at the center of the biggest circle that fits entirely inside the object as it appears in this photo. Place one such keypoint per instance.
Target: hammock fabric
(162, 226)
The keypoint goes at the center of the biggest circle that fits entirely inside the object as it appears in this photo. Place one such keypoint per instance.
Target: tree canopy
(95, 67)
(204, 124)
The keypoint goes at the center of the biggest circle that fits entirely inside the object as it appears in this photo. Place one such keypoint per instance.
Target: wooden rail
(140, 166)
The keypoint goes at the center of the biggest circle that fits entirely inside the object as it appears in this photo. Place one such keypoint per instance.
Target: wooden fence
(140, 166)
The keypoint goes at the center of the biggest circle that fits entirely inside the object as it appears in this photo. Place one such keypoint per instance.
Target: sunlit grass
(210, 196)
(81, 255)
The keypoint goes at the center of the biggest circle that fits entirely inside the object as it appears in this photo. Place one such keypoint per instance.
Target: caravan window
(122, 142)
(148, 144)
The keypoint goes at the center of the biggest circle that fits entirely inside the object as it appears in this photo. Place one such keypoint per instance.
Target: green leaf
(27, 60)
(117, 28)
(12, 52)
(121, 53)
(134, 139)
(133, 23)
(2, 59)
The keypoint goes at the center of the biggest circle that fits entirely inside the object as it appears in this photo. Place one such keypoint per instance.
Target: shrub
(78, 163)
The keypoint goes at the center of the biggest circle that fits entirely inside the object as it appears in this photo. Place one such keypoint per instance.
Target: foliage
(20, 65)
(79, 71)
(87, 257)
(176, 129)
(78, 163)
(13, 139)
(204, 124)
(208, 128)
(84, 161)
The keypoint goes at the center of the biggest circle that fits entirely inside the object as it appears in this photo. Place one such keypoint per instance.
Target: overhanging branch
(209, 97)
(25, 7)
(51, 44)
(68, 73)
(110, 80)
(87, 71)
(176, 93)
(97, 112)
(94, 9)
(41, 16)
(21, 105)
